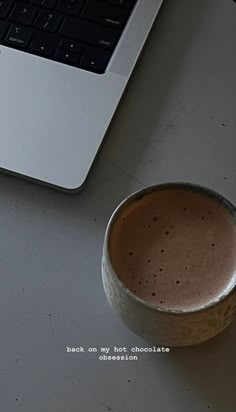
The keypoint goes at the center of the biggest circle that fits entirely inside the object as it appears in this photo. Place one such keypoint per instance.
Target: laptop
(64, 65)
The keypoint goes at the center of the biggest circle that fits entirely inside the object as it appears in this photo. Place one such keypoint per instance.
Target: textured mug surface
(162, 325)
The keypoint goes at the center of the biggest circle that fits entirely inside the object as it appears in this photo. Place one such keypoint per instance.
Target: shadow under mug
(162, 325)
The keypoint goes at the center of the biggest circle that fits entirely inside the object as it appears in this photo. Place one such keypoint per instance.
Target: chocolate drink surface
(175, 248)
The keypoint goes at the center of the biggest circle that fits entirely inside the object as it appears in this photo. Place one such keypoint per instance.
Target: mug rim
(229, 207)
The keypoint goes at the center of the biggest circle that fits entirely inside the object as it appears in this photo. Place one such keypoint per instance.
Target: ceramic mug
(160, 325)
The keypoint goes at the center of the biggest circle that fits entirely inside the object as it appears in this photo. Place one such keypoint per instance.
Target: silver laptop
(64, 65)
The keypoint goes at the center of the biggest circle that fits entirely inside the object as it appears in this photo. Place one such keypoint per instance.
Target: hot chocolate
(175, 248)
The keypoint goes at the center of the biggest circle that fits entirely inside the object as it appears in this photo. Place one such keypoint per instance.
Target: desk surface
(176, 123)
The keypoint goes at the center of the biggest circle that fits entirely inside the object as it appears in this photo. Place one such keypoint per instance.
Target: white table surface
(176, 123)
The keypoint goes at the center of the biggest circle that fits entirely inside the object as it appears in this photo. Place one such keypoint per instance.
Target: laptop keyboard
(80, 33)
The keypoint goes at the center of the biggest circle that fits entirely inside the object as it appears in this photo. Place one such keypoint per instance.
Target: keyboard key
(49, 4)
(71, 45)
(5, 6)
(48, 21)
(18, 36)
(88, 32)
(123, 3)
(72, 7)
(42, 44)
(23, 13)
(42, 48)
(3, 28)
(95, 59)
(102, 13)
(67, 57)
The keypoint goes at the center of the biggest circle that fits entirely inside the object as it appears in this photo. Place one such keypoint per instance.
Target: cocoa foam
(175, 248)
